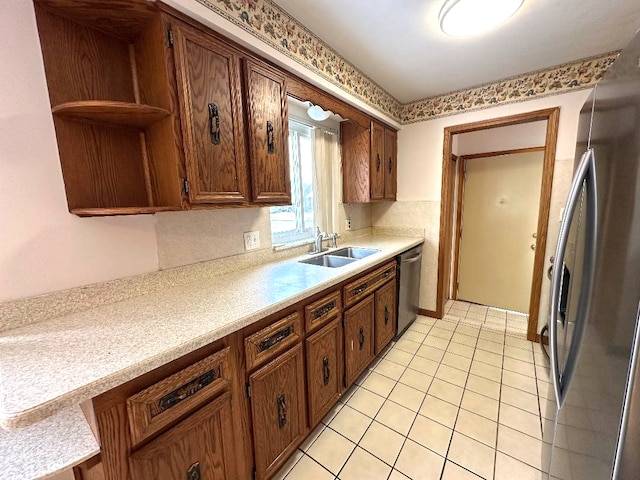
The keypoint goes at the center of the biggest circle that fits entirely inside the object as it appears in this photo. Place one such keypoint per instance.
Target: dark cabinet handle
(324, 310)
(386, 315)
(271, 147)
(194, 472)
(359, 289)
(282, 410)
(378, 162)
(361, 338)
(326, 373)
(171, 399)
(386, 274)
(390, 165)
(214, 124)
(274, 339)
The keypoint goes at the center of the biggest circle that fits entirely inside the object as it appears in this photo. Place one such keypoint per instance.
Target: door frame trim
(462, 161)
(552, 116)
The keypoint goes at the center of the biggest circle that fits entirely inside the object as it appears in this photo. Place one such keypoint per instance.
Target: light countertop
(48, 368)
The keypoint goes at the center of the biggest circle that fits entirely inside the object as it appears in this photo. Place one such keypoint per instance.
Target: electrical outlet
(251, 240)
(347, 224)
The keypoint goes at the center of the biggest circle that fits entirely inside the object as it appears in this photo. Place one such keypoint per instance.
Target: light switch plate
(251, 240)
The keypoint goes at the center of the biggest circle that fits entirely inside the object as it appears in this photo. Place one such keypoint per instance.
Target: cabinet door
(209, 80)
(356, 157)
(278, 409)
(268, 134)
(200, 447)
(385, 324)
(324, 370)
(377, 161)
(391, 159)
(358, 339)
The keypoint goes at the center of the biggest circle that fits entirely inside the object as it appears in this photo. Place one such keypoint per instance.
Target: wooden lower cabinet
(385, 323)
(358, 338)
(324, 370)
(279, 410)
(198, 448)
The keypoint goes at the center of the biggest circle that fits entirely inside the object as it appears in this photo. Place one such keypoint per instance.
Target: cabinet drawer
(320, 312)
(272, 340)
(160, 405)
(362, 287)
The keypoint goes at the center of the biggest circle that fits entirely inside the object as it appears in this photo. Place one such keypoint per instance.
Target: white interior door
(500, 204)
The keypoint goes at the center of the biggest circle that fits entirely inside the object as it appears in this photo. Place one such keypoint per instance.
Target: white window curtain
(327, 177)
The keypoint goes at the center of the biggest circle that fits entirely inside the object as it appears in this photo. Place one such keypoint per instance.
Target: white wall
(43, 247)
(420, 148)
(500, 139)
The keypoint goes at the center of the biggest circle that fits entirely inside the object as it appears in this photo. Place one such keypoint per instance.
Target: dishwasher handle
(413, 259)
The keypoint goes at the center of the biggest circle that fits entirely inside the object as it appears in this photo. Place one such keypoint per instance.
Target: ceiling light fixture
(460, 18)
(317, 113)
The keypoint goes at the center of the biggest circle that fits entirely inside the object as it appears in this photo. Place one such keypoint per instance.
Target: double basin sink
(341, 257)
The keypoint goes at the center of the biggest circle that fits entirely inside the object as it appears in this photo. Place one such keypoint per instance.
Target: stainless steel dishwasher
(409, 264)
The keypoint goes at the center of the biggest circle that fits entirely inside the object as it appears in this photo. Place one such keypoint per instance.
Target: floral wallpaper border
(552, 81)
(271, 24)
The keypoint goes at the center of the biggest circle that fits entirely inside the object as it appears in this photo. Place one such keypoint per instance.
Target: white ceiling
(399, 45)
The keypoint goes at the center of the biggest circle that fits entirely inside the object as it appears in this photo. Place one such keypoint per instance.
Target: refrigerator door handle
(585, 175)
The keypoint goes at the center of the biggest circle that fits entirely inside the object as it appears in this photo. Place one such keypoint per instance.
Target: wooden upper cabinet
(368, 162)
(112, 106)
(390, 164)
(200, 447)
(377, 167)
(209, 87)
(268, 133)
(355, 140)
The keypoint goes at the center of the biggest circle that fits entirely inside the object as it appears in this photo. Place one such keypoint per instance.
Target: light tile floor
(453, 399)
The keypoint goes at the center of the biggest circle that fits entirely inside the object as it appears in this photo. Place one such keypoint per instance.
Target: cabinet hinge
(248, 390)
(185, 185)
(170, 38)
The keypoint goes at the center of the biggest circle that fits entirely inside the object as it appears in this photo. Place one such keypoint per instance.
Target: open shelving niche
(114, 114)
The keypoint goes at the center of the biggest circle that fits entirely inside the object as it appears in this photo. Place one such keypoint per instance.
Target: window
(296, 222)
(316, 179)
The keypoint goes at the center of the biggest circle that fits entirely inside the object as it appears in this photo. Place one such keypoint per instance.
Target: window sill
(287, 246)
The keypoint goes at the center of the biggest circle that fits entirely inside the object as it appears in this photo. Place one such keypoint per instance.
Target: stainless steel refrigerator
(592, 430)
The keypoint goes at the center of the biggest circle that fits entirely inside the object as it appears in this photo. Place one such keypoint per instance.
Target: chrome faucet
(319, 237)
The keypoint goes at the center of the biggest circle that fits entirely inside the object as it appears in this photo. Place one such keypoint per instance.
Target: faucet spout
(319, 237)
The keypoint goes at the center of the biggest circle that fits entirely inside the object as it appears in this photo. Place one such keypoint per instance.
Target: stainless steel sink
(331, 261)
(355, 252)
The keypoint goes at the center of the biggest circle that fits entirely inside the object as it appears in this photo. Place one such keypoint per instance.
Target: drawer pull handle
(386, 315)
(271, 147)
(358, 290)
(326, 373)
(188, 389)
(390, 165)
(377, 162)
(324, 310)
(386, 274)
(214, 124)
(274, 339)
(361, 342)
(194, 472)
(282, 410)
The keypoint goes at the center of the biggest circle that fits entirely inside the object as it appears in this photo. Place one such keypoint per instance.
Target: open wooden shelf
(123, 114)
(123, 19)
(95, 212)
